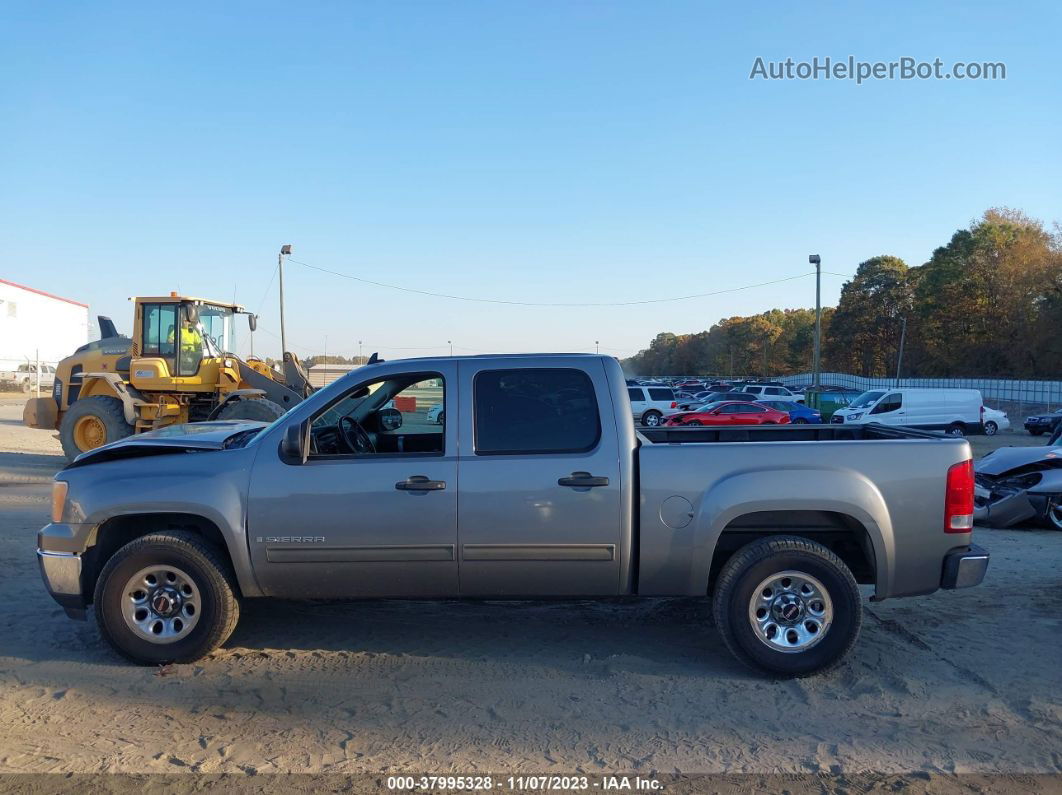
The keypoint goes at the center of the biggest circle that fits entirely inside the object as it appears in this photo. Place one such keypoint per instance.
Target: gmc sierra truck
(528, 481)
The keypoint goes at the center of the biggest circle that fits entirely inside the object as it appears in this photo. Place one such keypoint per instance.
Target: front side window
(890, 403)
(535, 411)
(635, 395)
(159, 332)
(400, 415)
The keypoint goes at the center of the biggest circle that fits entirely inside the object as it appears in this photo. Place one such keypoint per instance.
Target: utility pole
(285, 249)
(899, 357)
(816, 260)
(766, 342)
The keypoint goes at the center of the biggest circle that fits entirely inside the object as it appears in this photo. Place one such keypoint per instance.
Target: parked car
(1039, 424)
(995, 421)
(649, 403)
(713, 397)
(1015, 484)
(558, 497)
(437, 414)
(730, 412)
(956, 411)
(798, 412)
(769, 391)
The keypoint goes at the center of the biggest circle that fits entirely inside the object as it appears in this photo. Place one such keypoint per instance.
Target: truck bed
(782, 433)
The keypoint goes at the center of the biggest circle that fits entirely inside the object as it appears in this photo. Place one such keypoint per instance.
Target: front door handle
(420, 483)
(582, 480)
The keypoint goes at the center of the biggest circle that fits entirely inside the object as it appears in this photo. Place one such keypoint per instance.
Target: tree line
(988, 303)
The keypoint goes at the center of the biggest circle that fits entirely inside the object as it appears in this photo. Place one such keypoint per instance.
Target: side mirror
(389, 419)
(191, 313)
(252, 321)
(295, 446)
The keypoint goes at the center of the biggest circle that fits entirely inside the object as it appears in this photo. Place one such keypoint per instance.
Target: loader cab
(179, 341)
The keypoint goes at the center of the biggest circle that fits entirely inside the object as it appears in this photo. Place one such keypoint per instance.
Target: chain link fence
(20, 375)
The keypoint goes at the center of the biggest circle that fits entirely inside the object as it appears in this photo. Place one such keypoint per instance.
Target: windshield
(219, 328)
(866, 399)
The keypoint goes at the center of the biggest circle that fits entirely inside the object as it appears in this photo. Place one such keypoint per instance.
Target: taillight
(674, 404)
(959, 498)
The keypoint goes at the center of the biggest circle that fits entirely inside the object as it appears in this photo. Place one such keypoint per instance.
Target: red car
(730, 412)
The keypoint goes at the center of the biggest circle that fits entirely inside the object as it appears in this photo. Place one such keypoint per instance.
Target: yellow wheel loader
(176, 368)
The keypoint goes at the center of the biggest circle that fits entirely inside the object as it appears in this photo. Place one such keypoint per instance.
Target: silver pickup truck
(507, 477)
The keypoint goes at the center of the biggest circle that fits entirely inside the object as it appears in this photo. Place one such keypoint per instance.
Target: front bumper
(61, 572)
(964, 567)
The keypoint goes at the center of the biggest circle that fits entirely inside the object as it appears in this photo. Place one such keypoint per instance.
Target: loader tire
(258, 409)
(92, 422)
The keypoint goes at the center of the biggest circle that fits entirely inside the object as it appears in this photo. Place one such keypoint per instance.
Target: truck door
(889, 410)
(540, 507)
(373, 509)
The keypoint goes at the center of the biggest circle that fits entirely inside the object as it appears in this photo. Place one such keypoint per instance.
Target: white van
(957, 411)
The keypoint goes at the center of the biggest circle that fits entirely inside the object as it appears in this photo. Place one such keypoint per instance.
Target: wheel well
(115, 533)
(846, 537)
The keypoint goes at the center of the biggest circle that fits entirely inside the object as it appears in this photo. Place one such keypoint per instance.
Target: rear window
(535, 411)
(661, 394)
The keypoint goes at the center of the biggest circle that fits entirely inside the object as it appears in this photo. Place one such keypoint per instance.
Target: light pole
(359, 351)
(899, 357)
(816, 260)
(284, 250)
(451, 344)
(597, 346)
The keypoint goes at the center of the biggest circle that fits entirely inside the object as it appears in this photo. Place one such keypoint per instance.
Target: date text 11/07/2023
(524, 782)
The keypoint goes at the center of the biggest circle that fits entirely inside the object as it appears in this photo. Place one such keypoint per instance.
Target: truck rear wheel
(166, 597)
(787, 606)
(258, 409)
(92, 422)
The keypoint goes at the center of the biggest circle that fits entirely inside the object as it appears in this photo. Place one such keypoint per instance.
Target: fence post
(37, 353)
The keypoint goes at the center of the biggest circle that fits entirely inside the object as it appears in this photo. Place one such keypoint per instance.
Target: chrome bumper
(964, 568)
(61, 572)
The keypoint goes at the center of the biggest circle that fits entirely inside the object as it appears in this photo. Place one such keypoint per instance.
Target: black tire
(108, 410)
(800, 421)
(991, 429)
(258, 409)
(27, 385)
(956, 429)
(442, 418)
(651, 419)
(748, 568)
(692, 423)
(1037, 433)
(208, 568)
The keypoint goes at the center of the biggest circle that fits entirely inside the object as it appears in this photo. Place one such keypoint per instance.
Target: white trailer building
(35, 324)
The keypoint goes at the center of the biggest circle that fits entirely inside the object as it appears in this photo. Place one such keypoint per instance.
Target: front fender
(839, 491)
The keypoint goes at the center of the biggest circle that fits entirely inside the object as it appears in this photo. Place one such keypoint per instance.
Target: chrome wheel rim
(790, 611)
(990, 428)
(1054, 513)
(652, 420)
(161, 604)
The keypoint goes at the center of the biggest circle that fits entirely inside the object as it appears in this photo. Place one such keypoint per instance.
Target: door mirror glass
(295, 444)
(191, 313)
(389, 419)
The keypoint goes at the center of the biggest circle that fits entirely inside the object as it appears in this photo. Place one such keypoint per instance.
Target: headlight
(59, 489)
(855, 416)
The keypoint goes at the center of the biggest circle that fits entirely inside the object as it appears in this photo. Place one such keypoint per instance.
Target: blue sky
(534, 151)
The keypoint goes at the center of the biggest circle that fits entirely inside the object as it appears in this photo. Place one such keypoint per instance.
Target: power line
(550, 303)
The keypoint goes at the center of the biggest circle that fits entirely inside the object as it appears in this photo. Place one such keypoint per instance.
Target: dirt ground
(956, 683)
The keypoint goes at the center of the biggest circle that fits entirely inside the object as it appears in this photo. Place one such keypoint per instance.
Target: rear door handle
(420, 483)
(582, 480)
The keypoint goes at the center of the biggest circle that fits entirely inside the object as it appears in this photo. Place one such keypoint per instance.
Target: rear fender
(848, 493)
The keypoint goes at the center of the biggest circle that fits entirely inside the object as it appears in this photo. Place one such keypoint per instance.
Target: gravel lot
(958, 682)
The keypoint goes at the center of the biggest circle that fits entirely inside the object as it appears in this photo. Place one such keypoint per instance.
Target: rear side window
(535, 411)
(661, 394)
(774, 390)
(635, 395)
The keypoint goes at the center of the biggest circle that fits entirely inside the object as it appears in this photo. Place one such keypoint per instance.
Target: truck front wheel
(787, 606)
(92, 422)
(166, 597)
